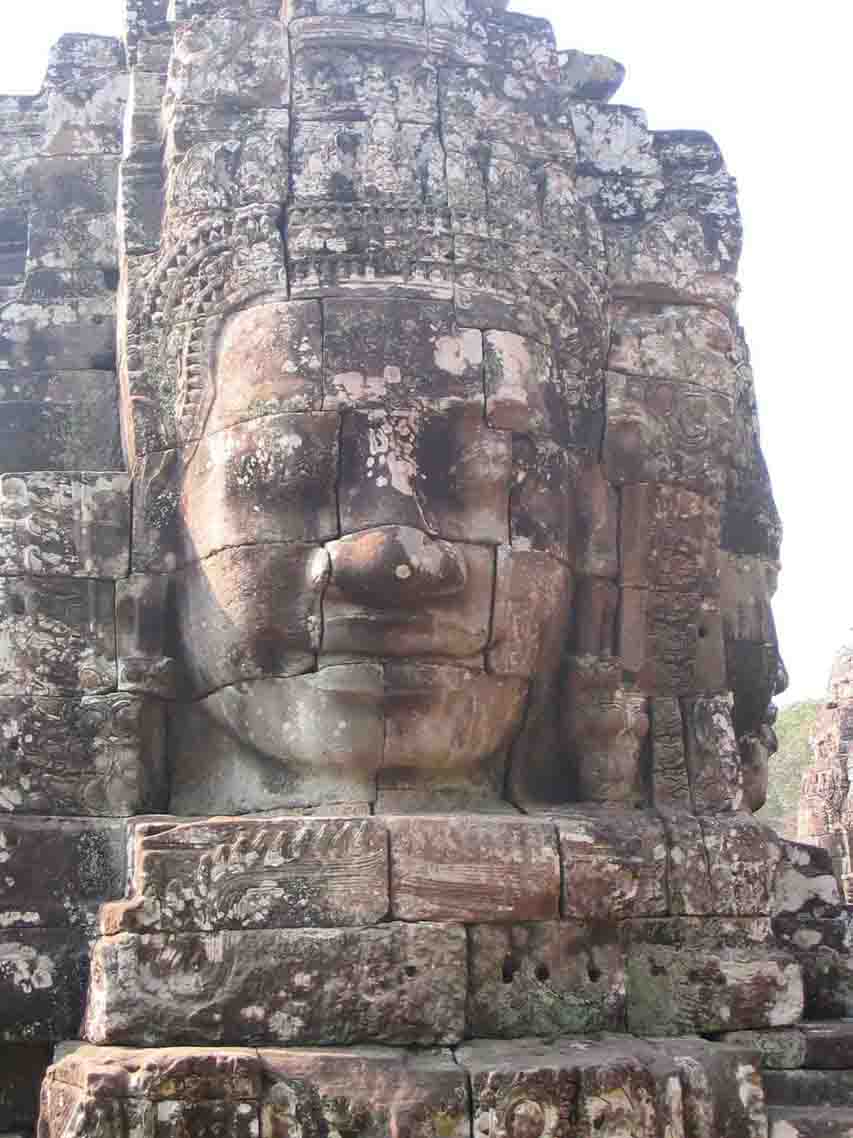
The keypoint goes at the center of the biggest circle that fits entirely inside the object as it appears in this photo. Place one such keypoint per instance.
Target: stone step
(809, 1122)
(809, 1088)
(828, 1044)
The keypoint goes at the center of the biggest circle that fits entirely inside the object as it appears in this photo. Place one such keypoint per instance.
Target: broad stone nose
(396, 567)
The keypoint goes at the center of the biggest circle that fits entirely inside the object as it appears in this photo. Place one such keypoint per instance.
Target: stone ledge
(583, 1086)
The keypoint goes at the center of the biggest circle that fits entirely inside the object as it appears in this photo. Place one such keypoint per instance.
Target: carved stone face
(379, 543)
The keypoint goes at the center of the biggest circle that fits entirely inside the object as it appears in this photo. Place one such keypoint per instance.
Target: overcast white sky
(769, 81)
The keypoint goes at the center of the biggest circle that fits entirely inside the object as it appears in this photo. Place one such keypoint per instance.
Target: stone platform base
(428, 930)
(610, 1087)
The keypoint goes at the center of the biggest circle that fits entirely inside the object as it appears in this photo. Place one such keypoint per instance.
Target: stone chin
(343, 734)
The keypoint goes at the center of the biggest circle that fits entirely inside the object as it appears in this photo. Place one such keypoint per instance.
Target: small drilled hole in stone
(542, 973)
(509, 969)
(410, 970)
(703, 632)
(598, 1122)
(594, 973)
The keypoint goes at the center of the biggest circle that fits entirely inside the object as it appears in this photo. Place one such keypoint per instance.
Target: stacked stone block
(73, 751)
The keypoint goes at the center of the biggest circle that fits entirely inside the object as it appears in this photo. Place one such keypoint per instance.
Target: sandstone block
(42, 979)
(672, 642)
(531, 612)
(805, 883)
(255, 874)
(687, 975)
(782, 1049)
(56, 636)
(670, 539)
(272, 355)
(691, 344)
(666, 431)
(147, 638)
(613, 140)
(67, 334)
(236, 622)
(235, 64)
(541, 509)
(670, 784)
(721, 1087)
(395, 592)
(400, 354)
(469, 868)
(57, 525)
(596, 524)
(161, 1075)
(61, 420)
(362, 161)
(395, 471)
(743, 856)
(614, 864)
(590, 77)
(92, 755)
(267, 481)
(686, 250)
(713, 758)
(364, 1090)
(219, 161)
(401, 984)
(56, 872)
(545, 978)
(595, 1087)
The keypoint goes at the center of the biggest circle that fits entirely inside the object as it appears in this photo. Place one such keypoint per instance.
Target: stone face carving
(389, 318)
(444, 505)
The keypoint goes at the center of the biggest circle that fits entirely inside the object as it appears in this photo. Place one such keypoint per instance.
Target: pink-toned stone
(471, 868)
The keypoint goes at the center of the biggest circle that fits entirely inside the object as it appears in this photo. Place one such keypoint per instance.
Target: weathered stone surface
(670, 539)
(255, 874)
(688, 974)
(61, 420)
(713, 760)
(368, 1089)
(98, 755)
(690, 344)
(58, 525)
(530, 614)
(396, 983)
(235, 624)
(614, 1085)
(56, 636)
(614, 863)
(56, 872)
(605, 724)
(42, 980)
(446, 472)
(782, 1049)
(590, 76)
(805, 884)
(672, 641)
(667, 431)
(396, 592)
(670, 783)
(468, 868)
(721, 1087)
(545, 978)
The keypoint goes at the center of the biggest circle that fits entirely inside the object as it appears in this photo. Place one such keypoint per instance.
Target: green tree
(793, 727)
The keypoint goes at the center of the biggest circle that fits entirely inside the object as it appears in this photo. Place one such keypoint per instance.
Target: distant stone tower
(826, 812)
